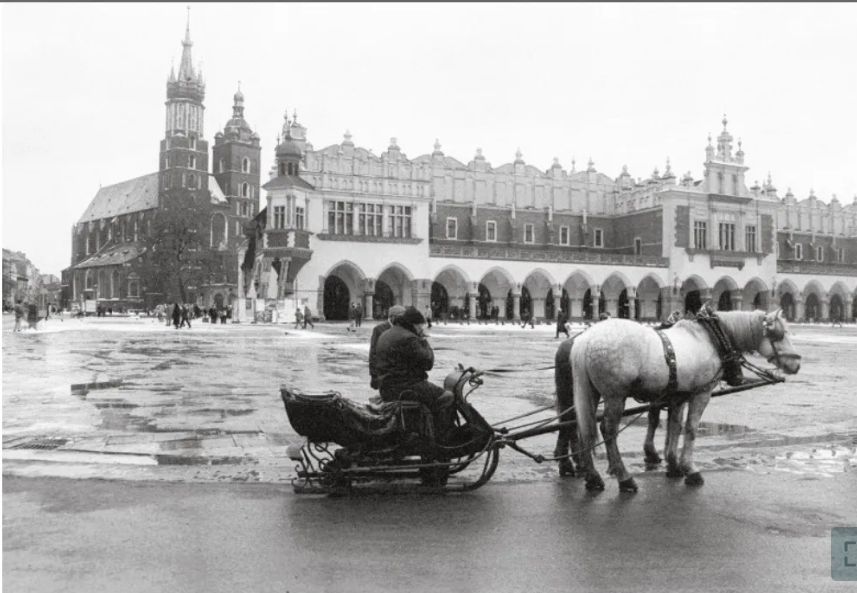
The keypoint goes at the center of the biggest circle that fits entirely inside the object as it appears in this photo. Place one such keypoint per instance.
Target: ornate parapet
(829, 269)
(545, 255)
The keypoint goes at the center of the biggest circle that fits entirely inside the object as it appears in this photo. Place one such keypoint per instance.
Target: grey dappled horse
(618, 358)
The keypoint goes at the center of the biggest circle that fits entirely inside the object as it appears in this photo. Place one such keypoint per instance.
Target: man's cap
(395, 312)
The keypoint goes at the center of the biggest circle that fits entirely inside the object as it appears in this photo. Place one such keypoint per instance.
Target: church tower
(236, 157)
(184, 154)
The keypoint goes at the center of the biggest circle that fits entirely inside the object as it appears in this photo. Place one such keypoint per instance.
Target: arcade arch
(495, 290)
(695, 292)
(342, 286)
(649, 302)
(725, 294)
(537, 289)
(449, 293)
(392, 287)
(577, 290)
(756, 295)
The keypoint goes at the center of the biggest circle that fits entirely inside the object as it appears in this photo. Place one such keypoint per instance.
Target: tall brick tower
(237, 160)
(184, 154)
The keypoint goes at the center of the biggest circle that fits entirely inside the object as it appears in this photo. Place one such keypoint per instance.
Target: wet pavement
(133, 399)
(189, 431)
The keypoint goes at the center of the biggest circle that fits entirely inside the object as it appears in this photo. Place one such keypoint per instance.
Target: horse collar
(669, 356)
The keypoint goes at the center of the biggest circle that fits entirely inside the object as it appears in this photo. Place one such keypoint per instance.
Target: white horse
(619, 358)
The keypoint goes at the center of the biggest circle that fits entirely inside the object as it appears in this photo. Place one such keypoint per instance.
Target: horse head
(776, 346)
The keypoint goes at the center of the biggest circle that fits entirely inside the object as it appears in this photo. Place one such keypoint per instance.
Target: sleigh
(389, 445)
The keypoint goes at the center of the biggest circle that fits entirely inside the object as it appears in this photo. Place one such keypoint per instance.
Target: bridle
(775, 331)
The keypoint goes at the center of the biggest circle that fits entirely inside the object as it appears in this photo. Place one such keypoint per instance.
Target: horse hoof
(594, 484)
(652, 458)
(674, 472)
(694, 479)
(628, 485)
(566, 469)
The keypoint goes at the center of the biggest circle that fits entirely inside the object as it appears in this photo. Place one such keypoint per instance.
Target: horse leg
(567, 435)
(585, 403)
(651, 452)
(694, 415)
(613, 408)
(674, 416)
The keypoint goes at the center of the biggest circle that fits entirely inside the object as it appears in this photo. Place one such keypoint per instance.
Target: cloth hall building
(342, 225)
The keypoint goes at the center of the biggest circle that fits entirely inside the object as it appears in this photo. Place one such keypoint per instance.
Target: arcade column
(737, 300)
(557, 300)
(474, 297)
(368, 305)
(670, 301)
(632, 307)
(516, 306)
(799, 308)
(596, 305)
(612, 307)
(825, 309)
(421, 291)
(575, 307)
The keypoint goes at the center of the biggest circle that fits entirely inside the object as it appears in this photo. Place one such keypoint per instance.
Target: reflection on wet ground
(136, 393)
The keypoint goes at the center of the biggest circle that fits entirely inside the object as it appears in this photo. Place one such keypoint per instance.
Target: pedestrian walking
(177, 315)
(32, 316)
(185, 316)
(562, 325)
(526, 318)
(299, 317)
(19, 315)
(359, 315)
(308, 317)
(428, 317)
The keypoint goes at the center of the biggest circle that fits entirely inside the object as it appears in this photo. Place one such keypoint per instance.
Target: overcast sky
(84, 85)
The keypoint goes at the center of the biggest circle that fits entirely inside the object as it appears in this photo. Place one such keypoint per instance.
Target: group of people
(303, 317)
(182, 315)
(28, 310)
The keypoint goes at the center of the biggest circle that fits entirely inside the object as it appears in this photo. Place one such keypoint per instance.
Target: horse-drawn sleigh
(393, 446)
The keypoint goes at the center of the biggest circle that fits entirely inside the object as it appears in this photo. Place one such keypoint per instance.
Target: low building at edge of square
(342, 226)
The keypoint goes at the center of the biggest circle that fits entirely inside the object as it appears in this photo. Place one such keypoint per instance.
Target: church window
(221, 166)
(798, 251)
(564, 235)
(245, 190)
(133, 288)
(598, 238)
(245, 165)
(135, 230)
(819, 253)
(193, 143)
(529, 233)
(300, 216)
(167, 162)
(491, 230)
(452, 228)
(192, 162)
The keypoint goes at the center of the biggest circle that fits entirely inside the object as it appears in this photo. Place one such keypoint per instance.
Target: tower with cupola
(724, 171)
(236, 157)
(184, 152)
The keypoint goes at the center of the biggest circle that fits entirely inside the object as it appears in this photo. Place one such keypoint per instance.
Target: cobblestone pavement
(133, 399)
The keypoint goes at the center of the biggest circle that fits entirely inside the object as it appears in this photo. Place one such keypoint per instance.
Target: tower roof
(188, 84)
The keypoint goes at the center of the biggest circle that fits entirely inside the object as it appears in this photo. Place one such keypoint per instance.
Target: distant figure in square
(308, 317)
(299, 317)
(562, 325)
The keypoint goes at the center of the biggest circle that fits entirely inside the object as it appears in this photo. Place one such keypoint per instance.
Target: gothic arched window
(191, 181)
(245, 190)
(245, 165)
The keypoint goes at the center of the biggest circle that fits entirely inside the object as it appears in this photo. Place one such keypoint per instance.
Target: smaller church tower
(184, 153)
(237, 160)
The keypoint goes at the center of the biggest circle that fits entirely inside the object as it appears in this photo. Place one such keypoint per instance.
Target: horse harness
(729, 355)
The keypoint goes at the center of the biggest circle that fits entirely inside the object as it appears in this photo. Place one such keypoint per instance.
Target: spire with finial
(347, 138)
(724, 143)
(519, 156)
(709, 150)
(668, 172)
(186, 72)
(479, 156)
(590, 167)
(437, 151)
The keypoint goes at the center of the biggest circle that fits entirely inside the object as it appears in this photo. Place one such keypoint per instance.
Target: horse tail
(585, 397)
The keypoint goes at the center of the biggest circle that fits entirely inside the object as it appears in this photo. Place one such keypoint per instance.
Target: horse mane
(745, 328)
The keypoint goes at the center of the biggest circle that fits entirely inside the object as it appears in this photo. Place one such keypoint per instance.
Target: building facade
(464, 239)
(341, 225)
